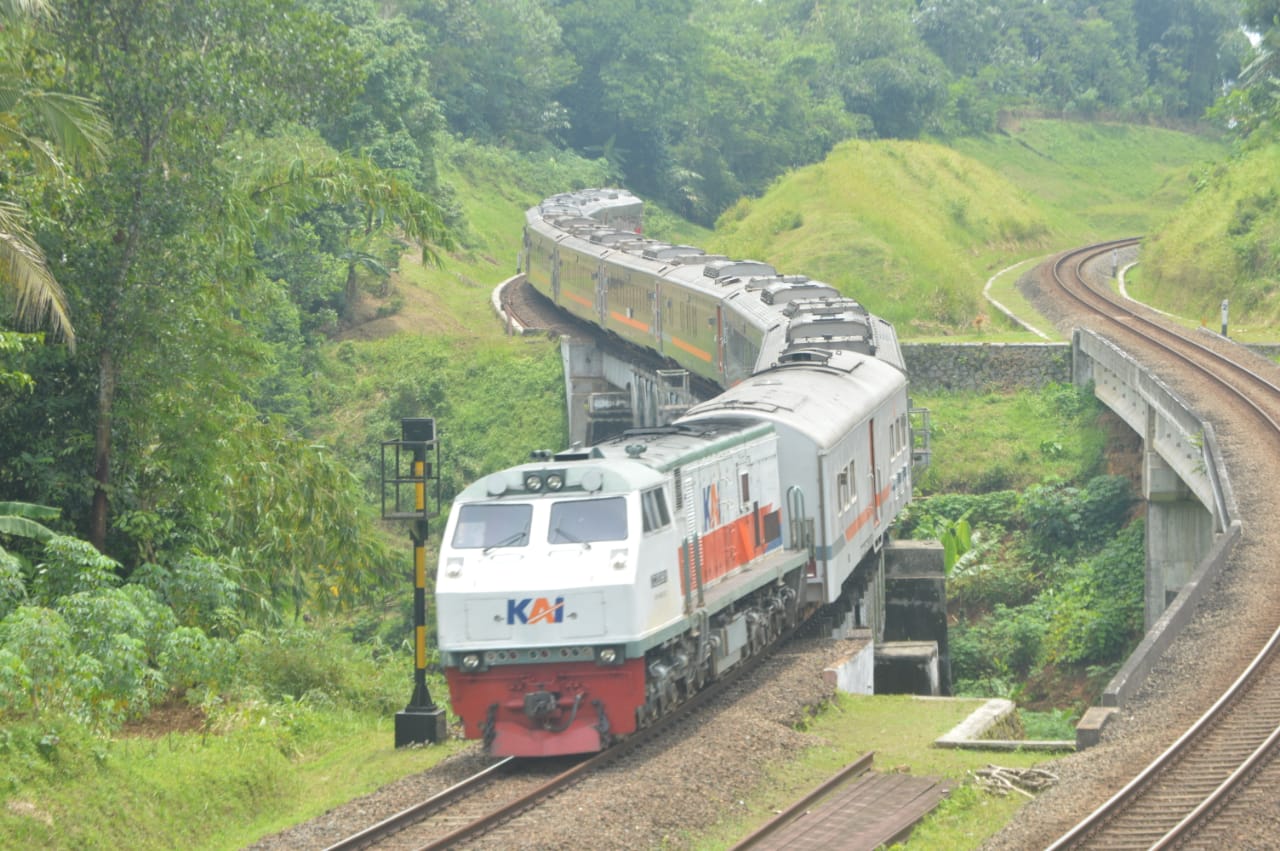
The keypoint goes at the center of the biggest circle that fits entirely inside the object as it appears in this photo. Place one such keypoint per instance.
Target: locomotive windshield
(585, 520)
(483, 525)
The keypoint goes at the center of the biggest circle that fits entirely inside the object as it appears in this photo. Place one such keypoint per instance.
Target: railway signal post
(415, 462)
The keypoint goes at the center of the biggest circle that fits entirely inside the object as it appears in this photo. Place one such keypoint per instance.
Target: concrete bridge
(1192, 519)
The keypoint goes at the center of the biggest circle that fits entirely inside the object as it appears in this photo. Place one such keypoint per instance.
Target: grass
(1096, 181)
(914, 229)
(196, 791)
(900, 730)
(901, 226)
(999, 441)
(1221, 245)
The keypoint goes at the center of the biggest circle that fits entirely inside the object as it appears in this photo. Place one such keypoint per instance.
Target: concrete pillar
(1179, 533)
(915, 600)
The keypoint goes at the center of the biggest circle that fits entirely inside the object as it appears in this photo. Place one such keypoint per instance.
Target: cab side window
(653, 506)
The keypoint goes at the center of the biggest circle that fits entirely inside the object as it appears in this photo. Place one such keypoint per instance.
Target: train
(585, 594)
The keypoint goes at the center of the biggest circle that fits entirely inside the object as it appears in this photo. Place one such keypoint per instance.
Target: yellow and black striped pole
(421, 721)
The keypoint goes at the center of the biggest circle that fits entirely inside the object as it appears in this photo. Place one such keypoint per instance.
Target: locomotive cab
(536, 601)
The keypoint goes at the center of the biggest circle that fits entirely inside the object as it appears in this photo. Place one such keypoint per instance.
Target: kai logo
(710, 507)
(535, 610)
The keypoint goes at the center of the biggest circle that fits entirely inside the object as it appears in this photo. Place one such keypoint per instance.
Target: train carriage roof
(821, 394)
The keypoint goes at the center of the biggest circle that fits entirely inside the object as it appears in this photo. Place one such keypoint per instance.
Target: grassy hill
(914, 229)
(1224, 243)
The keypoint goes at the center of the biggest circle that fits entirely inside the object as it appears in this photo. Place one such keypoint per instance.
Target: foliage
(318, 665)
(299, 529)
(202, 592)
(21, 520)
(45, 133)
(513, 100)
(1065, 588)
(1064, 518)
(698, 102)
(1098, 613)
(70, 566)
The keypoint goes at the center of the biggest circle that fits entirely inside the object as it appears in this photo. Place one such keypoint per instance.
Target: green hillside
(1224, 243)
(914, 229)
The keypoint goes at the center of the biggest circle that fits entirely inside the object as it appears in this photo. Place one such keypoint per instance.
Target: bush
(311, 663)
(190, 660)
(13, 589)
(119, 629)
(1098, 611)
(925, 517)
(985, 584)
(40, 640)
(1060, 517)
(71, 565)
(202, 592)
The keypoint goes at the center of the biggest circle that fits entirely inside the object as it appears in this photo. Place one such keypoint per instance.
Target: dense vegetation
(243, 238)
(697, 102)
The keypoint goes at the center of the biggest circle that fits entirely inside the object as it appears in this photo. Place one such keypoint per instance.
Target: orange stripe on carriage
(628, 321)
(585, 302)
(865, 516)
(698, 353)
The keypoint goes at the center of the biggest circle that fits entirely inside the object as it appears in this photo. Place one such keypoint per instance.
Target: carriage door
(554, 270)
(719, 347)
(874, 473)
(655, 296)
(602, 293)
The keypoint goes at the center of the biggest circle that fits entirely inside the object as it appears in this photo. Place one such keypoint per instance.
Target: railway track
(1227, 753)
(481, 804)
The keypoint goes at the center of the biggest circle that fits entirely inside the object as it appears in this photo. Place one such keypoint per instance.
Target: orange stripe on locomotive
(728, 547)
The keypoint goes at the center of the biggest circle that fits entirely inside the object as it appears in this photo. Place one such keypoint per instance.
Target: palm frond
(22, 266)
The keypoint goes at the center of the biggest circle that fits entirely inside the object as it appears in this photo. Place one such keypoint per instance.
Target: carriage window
(746, 488)
(653, 505)
(842, 488)
(582, 521)
(487, 525)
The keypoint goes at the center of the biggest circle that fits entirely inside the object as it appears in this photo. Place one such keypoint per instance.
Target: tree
(161, 248)
(497, 67)
(1192, 49)
(637, 73)
(43, 130)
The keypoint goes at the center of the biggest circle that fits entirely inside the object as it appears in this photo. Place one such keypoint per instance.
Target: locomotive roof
(634, 460)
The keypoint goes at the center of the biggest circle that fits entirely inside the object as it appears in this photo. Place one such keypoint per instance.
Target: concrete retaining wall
(984, 367)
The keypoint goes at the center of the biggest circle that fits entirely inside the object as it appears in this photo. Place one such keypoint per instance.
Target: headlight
(608, 655)
(555, 481)
(533, 483)
(470, 662)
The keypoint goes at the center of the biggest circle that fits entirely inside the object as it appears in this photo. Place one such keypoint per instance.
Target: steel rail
(423, 809)
(1193, 815)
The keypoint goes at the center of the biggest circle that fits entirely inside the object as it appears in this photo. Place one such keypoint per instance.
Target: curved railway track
(1174, 801)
